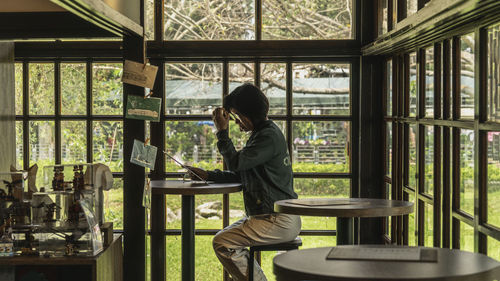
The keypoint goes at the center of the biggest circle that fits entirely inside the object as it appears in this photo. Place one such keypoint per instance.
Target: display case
(62, 219)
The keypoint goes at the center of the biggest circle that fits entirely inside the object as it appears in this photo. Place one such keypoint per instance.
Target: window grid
(57, 118)
(445, 200)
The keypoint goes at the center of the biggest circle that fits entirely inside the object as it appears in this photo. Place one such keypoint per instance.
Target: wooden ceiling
(16, 6)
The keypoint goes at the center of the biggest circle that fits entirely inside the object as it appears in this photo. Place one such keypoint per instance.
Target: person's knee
(217, 241)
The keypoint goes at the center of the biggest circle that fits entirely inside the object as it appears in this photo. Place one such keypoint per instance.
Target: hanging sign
(143, 108)
(139, 74)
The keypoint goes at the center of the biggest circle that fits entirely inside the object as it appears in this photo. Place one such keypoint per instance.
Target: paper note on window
(139, 74)
(143, 155)
(143, 108)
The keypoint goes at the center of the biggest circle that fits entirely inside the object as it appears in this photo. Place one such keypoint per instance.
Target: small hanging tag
(143, 155)
(139, 74)
(146, 194)
(143, 109)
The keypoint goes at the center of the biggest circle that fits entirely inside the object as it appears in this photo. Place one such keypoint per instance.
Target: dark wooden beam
(371, 173)
(101, 14)
(48, 25)
(438, 19)
(252, 49)
(68, 50)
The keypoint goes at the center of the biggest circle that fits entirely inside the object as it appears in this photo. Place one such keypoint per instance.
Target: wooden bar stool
(286, 246)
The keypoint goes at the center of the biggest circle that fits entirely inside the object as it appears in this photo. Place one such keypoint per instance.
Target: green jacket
(262, 166)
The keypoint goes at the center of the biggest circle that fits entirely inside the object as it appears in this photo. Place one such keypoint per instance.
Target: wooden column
(133, 178)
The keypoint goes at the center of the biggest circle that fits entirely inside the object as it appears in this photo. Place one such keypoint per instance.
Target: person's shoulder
(269, 128)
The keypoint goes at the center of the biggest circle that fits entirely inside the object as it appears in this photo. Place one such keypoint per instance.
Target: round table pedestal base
(187, 237)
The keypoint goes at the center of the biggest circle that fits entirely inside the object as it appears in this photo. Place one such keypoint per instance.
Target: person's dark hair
(249, 101)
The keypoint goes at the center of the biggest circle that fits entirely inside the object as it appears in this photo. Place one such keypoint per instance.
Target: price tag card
(139, 74)
(143, 155)
(143, 108)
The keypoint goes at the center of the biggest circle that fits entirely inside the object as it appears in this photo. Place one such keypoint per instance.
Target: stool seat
(285, 246)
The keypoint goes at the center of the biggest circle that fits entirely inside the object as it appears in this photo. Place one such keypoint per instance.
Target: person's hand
(202, 174)
(221, 118)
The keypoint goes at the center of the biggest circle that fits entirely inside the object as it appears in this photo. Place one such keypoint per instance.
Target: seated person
(263, 167)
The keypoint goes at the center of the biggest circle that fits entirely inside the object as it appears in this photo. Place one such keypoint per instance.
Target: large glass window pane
(429, 160)
(388, 191)
(382, 16)
(107, 90)
(193, 88)
(447, 107)
(321, 146)
(19, 145)
(413, 84)
(108, 144)
(206, 264)
(41, 89)
(466, 237)
(173, 258)
(412, 234)
(428, 225)
(209, 20)
(388, 86)
(73, 142)
(309, 20)
(493, 68)
(194, 143)
(320, 89)
(467, 171)
(322, 188)
(273, 85)
(208, 209)
(149, 18)
(388, 149)
(113, 204)
(18, 72)
(412, 157)
(493, 181)
(174, 212)
(411, 7)
(240, 73)
(494, 248)
(467, 76)
(429, 82)
(73, 88)
(236, 207)
(42, 145)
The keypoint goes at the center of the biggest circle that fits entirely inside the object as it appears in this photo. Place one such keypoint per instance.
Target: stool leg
(250, 266)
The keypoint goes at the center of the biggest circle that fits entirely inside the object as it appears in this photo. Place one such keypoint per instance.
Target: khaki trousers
(230, 244)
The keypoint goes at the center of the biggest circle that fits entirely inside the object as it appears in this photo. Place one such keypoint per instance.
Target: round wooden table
(345, 209)
(456, 265)
(188, 189)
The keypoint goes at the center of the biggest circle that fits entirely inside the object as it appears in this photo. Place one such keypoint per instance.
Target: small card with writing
(143, 155)
(139, 74)
(143, 108)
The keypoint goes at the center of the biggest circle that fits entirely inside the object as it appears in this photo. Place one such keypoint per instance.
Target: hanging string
(145, 61)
